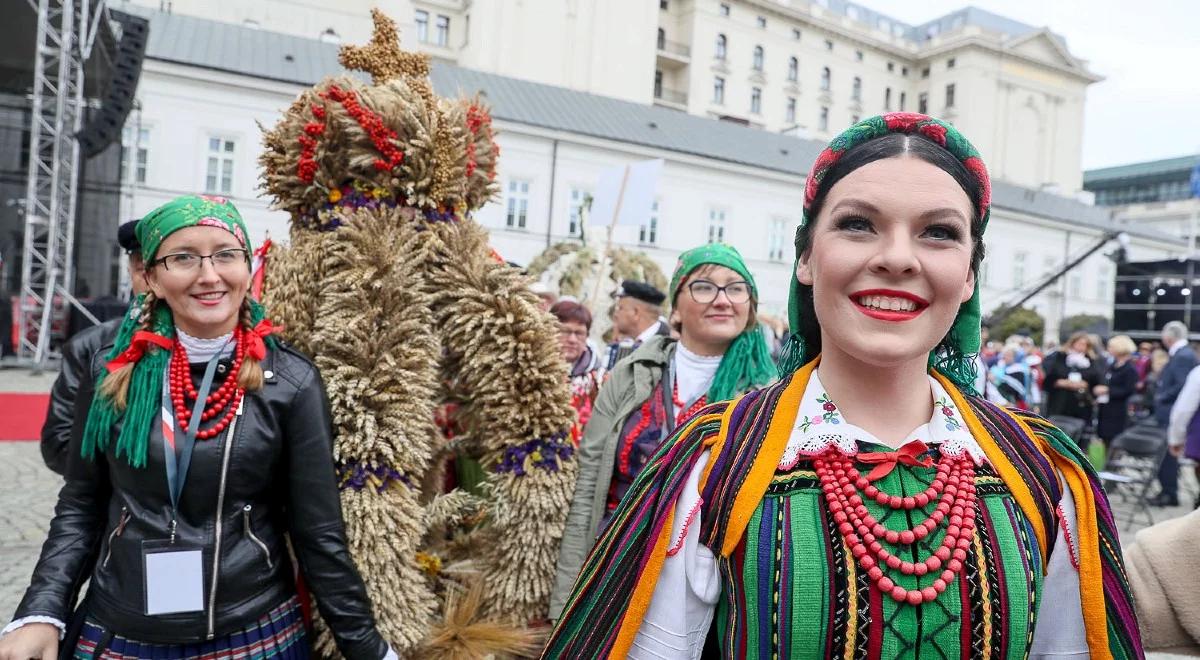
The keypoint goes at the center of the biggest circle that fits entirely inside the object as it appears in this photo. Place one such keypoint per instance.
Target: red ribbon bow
(137, 348)
(256, 347)
(910, 454)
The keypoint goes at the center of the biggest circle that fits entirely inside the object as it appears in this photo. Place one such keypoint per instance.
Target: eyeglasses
(187, 262)
(704, 292)
(579, 334)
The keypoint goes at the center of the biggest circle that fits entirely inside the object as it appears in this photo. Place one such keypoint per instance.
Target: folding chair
(1132, 467)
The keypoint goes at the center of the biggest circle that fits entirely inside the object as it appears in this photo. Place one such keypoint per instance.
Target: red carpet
(21, 415)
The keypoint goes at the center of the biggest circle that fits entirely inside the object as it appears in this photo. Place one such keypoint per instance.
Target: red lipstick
(894, 316)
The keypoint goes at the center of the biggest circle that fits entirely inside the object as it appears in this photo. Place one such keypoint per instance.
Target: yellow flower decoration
(335, 195)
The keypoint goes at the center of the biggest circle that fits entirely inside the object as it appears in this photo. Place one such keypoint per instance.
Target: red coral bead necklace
(222, 402)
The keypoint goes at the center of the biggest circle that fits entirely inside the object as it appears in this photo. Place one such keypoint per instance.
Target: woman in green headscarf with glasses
(720, 353)
(869, 505)
(206, 441)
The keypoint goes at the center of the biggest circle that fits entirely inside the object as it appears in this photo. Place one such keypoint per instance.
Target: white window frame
(950, 93)
(756, 100)
(759, 56)
(722, 47)
(718, 90)
(421, 23)
(826, 79)
(856, 89)
(441, 34)
(219, 164)
(516, 204)
(790, 110)
(777, 239)
(823, 119)
(716, 225)
(1018, 270)
(648, 232)
(723, 10)
(135, 172)
(793, 73)
(575, 211)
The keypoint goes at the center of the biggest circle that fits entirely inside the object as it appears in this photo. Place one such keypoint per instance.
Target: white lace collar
(202, 350)
(820, 426)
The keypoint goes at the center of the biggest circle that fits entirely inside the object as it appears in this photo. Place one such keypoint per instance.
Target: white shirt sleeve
(681, 609)
(1184, 408)
(62, 627)
(1060, 631)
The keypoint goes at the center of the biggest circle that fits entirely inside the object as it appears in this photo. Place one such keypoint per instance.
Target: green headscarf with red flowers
(147, 344)
(956, 362)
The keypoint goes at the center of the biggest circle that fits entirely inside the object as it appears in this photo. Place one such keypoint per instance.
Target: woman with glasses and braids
(206, 441)
(720, 354)
(870, 504)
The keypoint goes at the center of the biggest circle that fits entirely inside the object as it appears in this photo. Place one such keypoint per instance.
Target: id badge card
(173, 577)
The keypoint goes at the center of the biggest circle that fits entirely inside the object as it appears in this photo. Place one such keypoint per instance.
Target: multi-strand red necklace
(953, 489)
(643, 423)
(222, 402)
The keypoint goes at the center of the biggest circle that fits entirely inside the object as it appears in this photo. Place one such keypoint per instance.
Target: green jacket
(632, 382)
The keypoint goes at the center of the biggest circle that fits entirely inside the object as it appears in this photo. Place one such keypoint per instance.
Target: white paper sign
(174, 582)
(635, 201)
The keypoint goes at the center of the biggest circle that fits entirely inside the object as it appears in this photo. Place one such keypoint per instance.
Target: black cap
(641, 291)
(127, 238)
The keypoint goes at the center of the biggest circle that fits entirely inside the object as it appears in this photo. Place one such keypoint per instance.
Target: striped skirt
(278, 634)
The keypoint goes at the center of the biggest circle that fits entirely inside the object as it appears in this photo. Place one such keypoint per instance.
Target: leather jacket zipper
(250, 533)
(216, 564)
(122, 520)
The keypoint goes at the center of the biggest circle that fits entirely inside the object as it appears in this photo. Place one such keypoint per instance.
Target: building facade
(198, 130)
(1156, 194)
(791, 66)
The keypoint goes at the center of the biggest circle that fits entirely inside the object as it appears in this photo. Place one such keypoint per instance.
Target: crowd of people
(832, 486)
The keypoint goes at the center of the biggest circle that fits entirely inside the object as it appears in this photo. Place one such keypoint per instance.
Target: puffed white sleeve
(688, 588)
(1059, 629)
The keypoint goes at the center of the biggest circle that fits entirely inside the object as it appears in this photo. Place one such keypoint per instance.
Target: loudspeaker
(104, 127)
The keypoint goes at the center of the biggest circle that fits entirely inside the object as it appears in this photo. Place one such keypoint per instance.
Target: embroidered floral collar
(820, 425)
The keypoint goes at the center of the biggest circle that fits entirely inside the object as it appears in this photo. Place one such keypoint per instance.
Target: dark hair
(886, 146)
(567, 310)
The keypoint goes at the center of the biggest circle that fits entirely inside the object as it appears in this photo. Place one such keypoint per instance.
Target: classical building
(207, 86)
(1156, 194)
(801, 67)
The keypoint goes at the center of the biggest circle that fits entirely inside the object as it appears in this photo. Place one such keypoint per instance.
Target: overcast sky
(1148, 105)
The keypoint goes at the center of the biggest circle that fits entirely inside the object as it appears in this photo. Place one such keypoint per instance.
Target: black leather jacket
(239, 498)
(77, 357)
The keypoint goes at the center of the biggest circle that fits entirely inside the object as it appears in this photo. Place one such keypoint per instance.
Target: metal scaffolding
(66, 30)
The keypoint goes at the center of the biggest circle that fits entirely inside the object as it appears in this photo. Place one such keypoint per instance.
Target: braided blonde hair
(250, 377)
(116, 385)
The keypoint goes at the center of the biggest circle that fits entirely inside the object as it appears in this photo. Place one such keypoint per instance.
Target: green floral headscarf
(148, 345)
(747, 362)
(956, 360)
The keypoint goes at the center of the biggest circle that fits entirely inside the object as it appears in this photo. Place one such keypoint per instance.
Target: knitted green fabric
(955, 356)
(747, 362)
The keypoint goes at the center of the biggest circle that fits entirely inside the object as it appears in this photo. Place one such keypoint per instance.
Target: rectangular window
(891, 67)
(579, 197)
(443, 31)
(716, 226)
(518, 204)
(762, 21)
(923, 103)
(856, 89)
(219, 175)
(648, 233)
(828, 45)
(904, 71)
(134, 171)
(950, 63)
(796, 34)
(887, 98)
(756, 100)
(1019, 269)
(1103, 281)
(662, 4)
(724, 11)
(1075, 285)
(422, 22)
(719, 90)
(903, 100)
(950, 95)
(777, 239)
(823, 121)
(925, 72)
(790, 114)
(858, 56)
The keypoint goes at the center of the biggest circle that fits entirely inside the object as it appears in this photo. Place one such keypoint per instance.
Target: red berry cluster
(381, 136)
(306, 169)
(954, 491)
(479, 119)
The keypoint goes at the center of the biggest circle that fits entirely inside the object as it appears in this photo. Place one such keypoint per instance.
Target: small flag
(258, 266)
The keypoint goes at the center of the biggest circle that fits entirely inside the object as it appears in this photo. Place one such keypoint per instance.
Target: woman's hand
(32, 640)
(1100, 390)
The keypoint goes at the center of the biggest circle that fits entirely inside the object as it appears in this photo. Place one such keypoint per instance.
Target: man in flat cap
(636, 316)
(77, 357)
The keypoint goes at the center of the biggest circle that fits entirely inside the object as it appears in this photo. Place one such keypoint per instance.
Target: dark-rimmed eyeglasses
(704, 292)
(186, 261)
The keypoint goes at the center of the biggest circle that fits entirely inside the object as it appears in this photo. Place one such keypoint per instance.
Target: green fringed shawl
(144, 399)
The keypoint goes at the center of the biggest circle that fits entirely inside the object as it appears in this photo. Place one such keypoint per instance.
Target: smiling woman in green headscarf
(868, 504)
(720, 354)
(206, 442)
